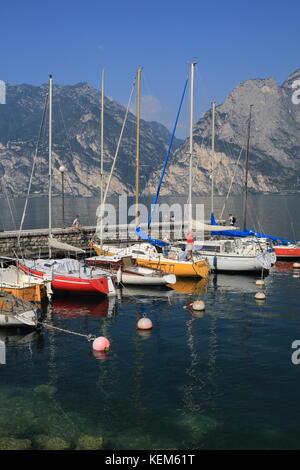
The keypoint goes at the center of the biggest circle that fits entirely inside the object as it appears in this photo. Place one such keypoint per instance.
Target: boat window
(127, 261)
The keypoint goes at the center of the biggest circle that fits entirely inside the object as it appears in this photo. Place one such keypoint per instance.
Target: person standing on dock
(76, 222)
(189, 245)
(232, 220)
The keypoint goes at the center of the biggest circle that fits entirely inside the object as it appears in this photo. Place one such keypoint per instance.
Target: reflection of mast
(52, 350)
(188, 399)
(138, 367)
(2, 352)
(212, 351)
(197, 383)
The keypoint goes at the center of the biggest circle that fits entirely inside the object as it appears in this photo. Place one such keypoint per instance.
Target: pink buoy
(144, 324)
(101, 344)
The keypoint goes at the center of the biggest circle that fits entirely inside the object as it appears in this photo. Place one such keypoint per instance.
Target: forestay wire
(33, 168)
(116, 154)
(231, 183)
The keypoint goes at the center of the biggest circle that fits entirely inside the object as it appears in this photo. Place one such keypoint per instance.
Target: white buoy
(296, 265)
(144, 324)
(198, 305)
(260, 296)
(260, 282)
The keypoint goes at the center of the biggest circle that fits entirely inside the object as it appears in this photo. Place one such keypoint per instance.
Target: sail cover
(244, 233)
(53, 243)
(146, 237)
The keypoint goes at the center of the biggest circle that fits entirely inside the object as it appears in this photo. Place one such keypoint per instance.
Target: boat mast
(50, 161)
(213, 103)
(138, 115)
(193, 64)
(246, 174)
(102, 158)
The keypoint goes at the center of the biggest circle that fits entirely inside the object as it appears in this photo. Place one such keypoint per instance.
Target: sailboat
(225, 255)
(129, 272)
(16, 312)
(147, 254)
(67, 275)
(22, 285)
(124, 267)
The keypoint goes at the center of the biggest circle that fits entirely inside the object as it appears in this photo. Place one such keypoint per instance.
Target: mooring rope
(89, 337)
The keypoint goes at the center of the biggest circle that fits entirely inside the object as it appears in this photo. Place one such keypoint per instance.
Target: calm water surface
(220, 380)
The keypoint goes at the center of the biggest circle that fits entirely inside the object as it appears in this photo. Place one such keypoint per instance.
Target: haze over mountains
(274, 160)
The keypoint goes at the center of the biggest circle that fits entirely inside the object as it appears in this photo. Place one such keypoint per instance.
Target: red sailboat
(292, 250)
(70, 275)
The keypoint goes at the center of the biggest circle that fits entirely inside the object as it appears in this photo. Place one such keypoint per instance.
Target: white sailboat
(67, 275)
(231, 255)
(129, 272)
(16, 312)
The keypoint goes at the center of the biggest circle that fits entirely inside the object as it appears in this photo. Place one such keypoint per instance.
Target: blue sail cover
(148, 239)
(246, 233)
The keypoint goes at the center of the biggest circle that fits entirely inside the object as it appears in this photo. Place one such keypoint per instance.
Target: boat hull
(135, 275)
(180, 269)
(34, 293)
(72, 285)
(28, 318)
(287, 252)
(134, 279)
(219, 263)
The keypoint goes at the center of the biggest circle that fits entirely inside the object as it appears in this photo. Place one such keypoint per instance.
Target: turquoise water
(221, 380)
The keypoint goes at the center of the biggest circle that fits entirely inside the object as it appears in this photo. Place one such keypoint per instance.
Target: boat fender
(119, 276)
(215, 262)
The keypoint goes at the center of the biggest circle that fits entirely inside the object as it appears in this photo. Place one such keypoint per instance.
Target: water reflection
(21, 339)
(190, 286)
(142, 292)
(233, 283)
(77, 307)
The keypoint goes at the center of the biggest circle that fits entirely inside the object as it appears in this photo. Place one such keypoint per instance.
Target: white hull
(240, 263)
(27, 318)
(135, 279)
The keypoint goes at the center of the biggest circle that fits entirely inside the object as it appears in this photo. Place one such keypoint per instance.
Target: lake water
(220, 380)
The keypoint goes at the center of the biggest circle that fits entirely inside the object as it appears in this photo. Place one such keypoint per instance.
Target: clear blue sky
(231, 40)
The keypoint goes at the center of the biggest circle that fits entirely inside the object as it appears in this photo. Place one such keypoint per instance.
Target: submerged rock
(9, 443)
(51, 443)
(86, 442)
(45, 390)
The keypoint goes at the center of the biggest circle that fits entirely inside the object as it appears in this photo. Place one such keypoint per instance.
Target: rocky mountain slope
(274, 157)
(274, 160)
(76, 141)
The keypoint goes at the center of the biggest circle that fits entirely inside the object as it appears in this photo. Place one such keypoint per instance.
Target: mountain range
(274, 157)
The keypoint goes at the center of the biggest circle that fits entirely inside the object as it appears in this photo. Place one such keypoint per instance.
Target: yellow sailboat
(147, 255)
(175, 262)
